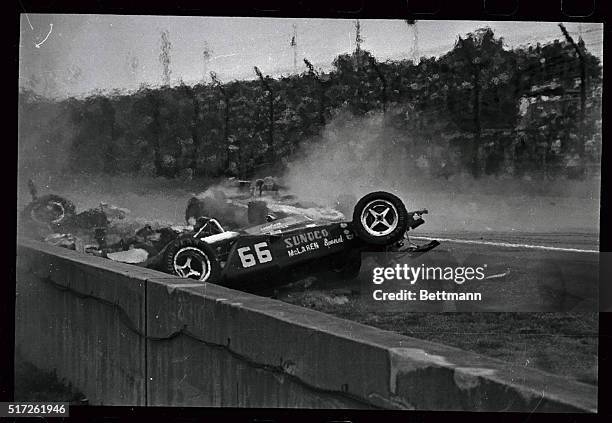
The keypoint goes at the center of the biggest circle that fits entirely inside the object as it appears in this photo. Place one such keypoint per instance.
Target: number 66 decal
(261, 251)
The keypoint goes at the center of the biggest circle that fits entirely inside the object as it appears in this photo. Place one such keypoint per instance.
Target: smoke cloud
(357, 155)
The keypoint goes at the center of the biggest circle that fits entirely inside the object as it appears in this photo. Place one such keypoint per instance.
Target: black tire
(176, 255)
(49, 209)
(390, 223)
(347, 266)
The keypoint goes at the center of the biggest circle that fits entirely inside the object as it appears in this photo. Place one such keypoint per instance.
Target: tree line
(480, 108)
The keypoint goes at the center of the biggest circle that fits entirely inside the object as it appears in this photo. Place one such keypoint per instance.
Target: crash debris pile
(273, 239)
(53, 219)
(104, 231)
(237, 203)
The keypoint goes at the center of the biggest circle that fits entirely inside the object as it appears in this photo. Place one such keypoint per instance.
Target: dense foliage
(479, 108)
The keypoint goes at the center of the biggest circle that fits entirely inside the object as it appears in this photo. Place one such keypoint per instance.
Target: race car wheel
(380, 218)
(191, 258)
(50, 209)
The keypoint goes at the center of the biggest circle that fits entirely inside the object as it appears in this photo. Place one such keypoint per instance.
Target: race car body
(289, 243)
(275, 249)
(282, 244)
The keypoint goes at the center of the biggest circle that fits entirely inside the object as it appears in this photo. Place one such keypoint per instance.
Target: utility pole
(414, 50)
(358, 39)
(164, 57)
(206, 53)
(582, 88)
(294, 47)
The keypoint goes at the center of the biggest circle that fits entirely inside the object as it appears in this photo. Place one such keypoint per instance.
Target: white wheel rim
(183, 264)
(49, 206)
(379, 218)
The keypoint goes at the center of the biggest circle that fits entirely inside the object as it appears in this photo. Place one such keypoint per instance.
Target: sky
(64, 55)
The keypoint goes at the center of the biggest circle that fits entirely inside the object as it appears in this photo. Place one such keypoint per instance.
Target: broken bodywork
(281, 248)
(281, 238)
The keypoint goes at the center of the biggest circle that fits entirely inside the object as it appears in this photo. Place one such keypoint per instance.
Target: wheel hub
(379, 217)
(52, 212)
(192, 263)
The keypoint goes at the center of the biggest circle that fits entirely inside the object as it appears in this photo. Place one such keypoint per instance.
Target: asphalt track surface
(524, 272)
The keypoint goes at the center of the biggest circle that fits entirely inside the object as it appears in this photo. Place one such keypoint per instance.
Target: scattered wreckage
(54, 218)
(280, 239)
(241, 208)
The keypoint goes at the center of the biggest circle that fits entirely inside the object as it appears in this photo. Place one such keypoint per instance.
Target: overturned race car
(275, 250)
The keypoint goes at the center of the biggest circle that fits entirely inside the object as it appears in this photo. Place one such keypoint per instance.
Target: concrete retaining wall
(124, 335)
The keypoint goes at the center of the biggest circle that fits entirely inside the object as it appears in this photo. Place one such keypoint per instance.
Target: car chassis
(274, 249)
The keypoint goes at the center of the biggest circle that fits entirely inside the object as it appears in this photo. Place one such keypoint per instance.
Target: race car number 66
(261, 251)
